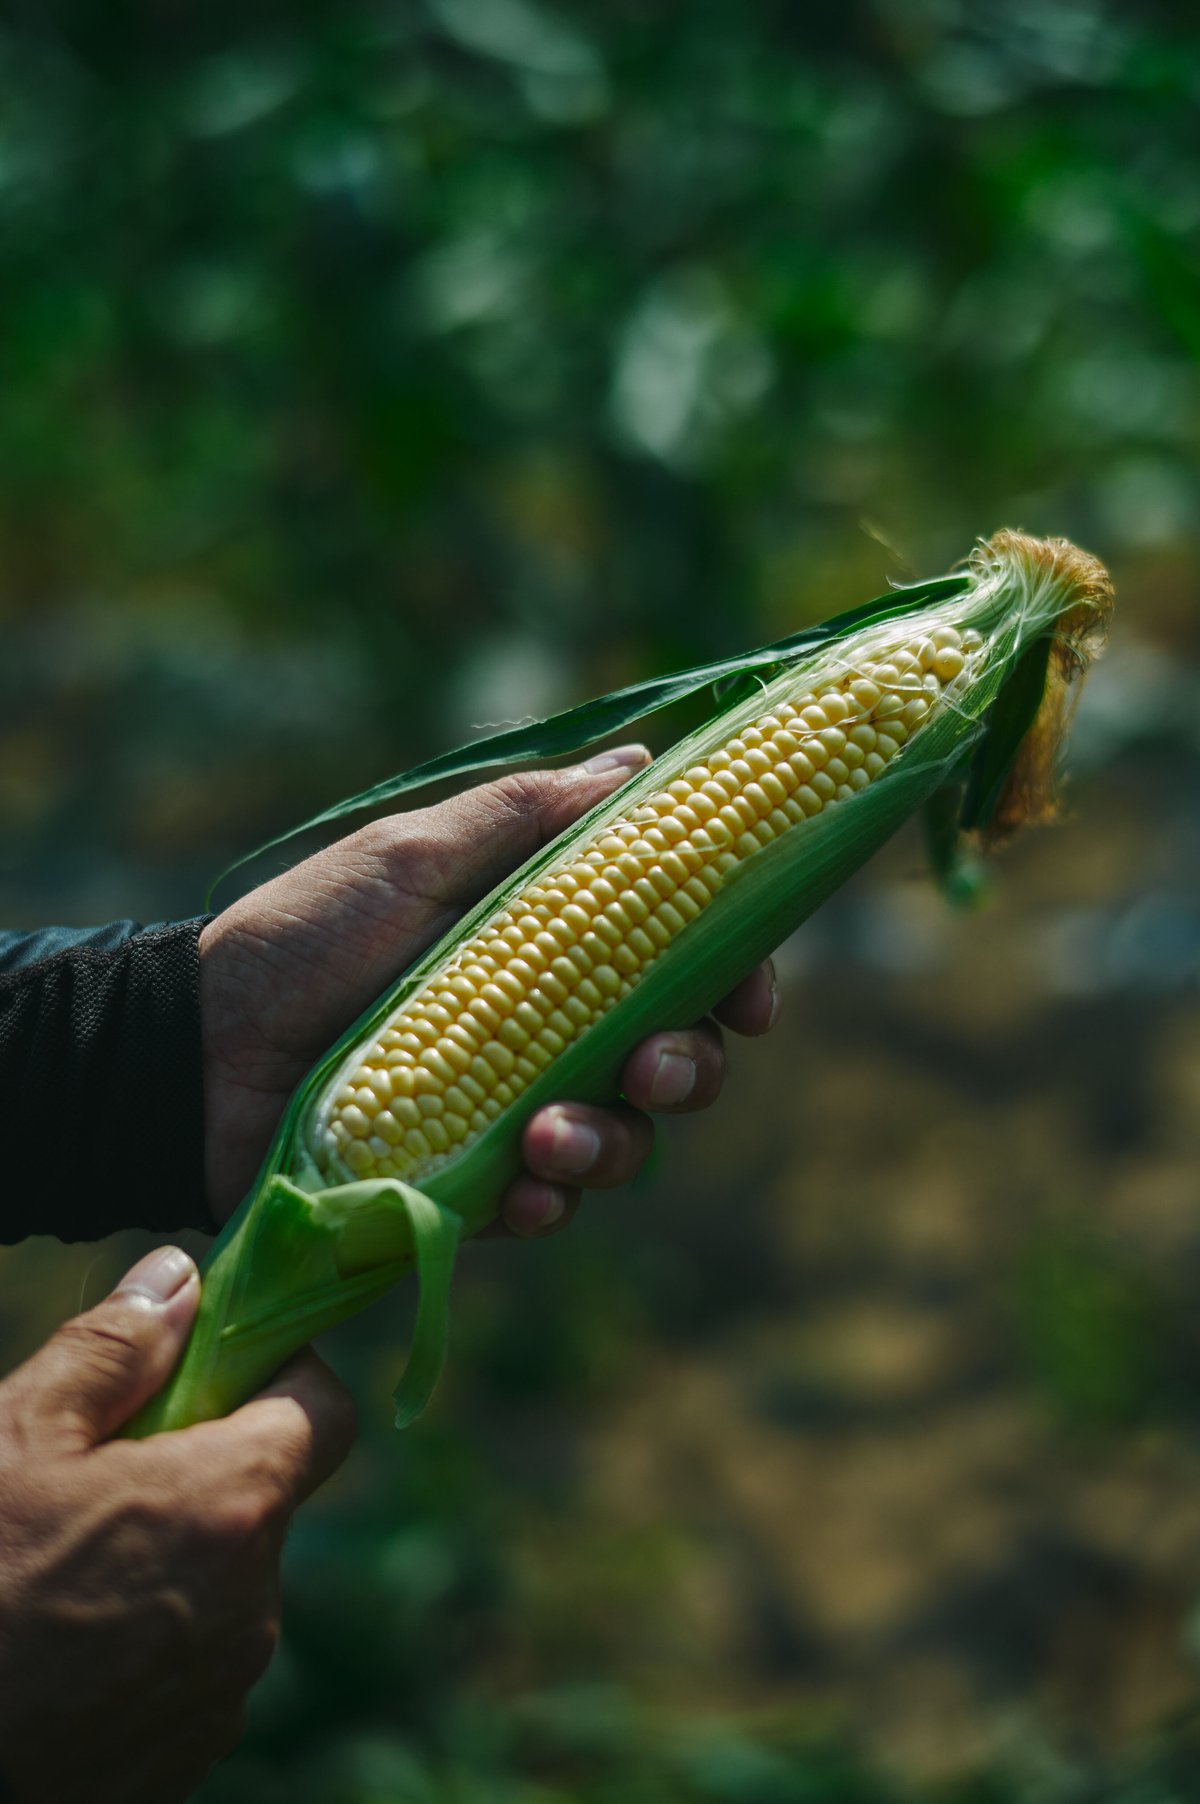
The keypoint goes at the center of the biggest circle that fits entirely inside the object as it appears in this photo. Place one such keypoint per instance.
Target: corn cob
(574, 944)
(638, 918)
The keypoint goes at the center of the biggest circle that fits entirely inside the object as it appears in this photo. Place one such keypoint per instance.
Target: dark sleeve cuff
(102, 1081)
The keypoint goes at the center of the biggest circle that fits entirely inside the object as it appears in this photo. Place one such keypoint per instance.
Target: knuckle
(139, 1527)
(405, 859)
(389, 852)
(168, 1624)
(292, 1451)
(526, 792)
(377, 839)
(105, 1343)
(23, 1445)
(247, 1518)
(396, 841)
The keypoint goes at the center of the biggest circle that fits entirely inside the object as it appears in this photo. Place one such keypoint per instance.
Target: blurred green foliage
(377, 370)
(371, 372)
(1093, 1329)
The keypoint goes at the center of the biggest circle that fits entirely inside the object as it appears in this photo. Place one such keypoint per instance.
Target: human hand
(139, 1579)
(285, 970)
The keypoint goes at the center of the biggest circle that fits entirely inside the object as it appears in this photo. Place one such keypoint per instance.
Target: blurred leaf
(1092, 1329)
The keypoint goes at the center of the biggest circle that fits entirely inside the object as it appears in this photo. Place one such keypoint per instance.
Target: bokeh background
(372, 372)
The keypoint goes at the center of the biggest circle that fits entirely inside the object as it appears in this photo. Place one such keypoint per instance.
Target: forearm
(101, 1081)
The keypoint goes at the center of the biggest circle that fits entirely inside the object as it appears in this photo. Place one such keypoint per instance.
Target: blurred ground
(868, 1419)
(372, 375)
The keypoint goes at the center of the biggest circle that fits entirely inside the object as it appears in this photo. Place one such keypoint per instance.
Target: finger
(752, 1007)
(672, 1073)
(570, 1143)
(302, 1426)
(100, 1368)
(531, 1206)
(472, 840)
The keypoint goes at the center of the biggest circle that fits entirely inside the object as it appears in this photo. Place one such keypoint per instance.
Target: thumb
(99, 1368)
(484, 833)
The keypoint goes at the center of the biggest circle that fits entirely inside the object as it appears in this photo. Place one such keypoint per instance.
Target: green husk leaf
(292, 1263)
(435, 1239)
(954, 862)
(574, 729)
(1012, 714)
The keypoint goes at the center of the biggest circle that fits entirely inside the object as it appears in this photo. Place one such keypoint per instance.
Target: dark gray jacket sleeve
(101, 1080)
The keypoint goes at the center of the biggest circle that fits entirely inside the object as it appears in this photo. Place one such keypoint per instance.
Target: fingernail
(576, 1147)
(621, 757)
(776, 1004)
(674, 1079)
(159, 1276)
(552, 1207)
